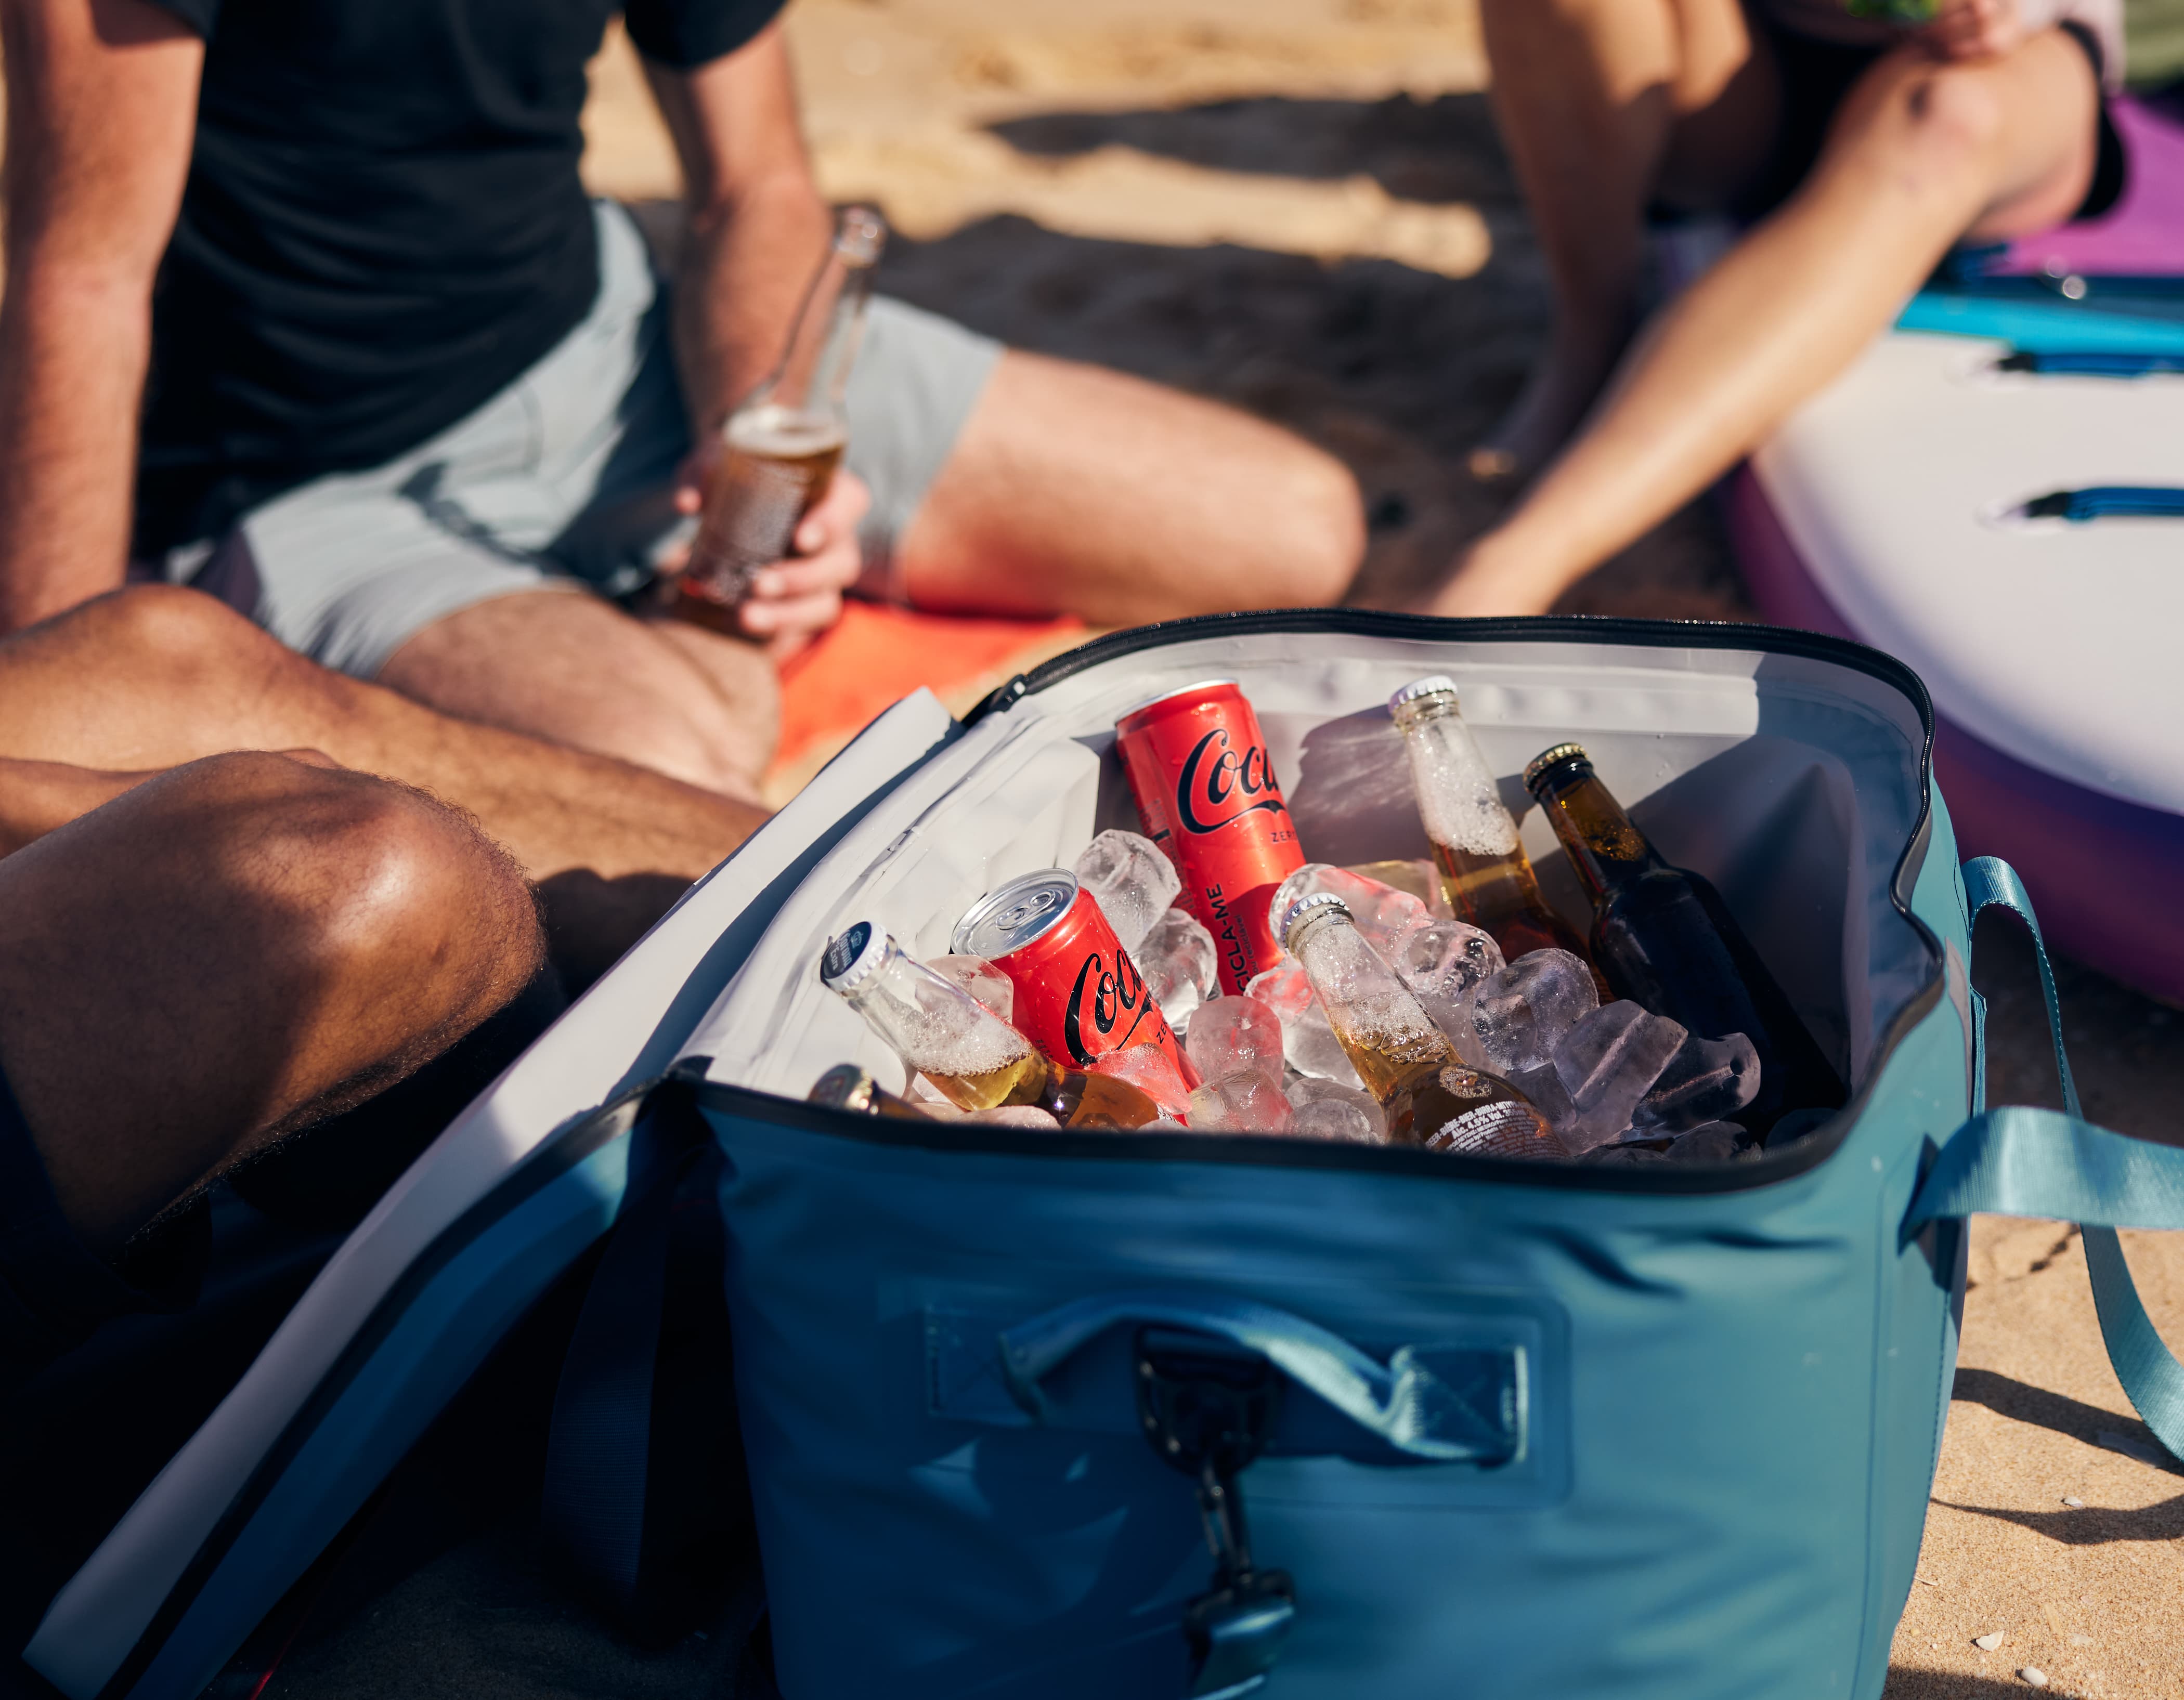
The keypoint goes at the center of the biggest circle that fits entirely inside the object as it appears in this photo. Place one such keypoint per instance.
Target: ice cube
(1608, 1062)
(1244, 1102)
(1713, 1141)
(1132, 882)
(1014, 1116)
(981, 978)
(1544, 1088)
(1417, 877)
(1150, 1073)
(1308, 1042)
(1519, 1015)
(1444, 962)
(1307, 1090)
(1334, 1119)
(1709, 1080)
(1384, 914)
(1236, 1032)
(1622, 1156)
(1179, 962)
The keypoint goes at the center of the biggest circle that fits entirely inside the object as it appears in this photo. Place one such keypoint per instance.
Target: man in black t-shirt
(402, 387)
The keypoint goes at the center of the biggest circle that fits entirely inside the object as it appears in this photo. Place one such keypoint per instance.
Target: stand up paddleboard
(1995, 494)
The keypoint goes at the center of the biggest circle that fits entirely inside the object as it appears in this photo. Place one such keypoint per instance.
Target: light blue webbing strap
(2016, 1161)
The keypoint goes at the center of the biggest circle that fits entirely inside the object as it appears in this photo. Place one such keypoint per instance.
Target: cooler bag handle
(2017, 1161)
(1400, 1402)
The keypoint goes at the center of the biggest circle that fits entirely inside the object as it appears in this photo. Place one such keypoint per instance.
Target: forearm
(745, 265)
(73, 349)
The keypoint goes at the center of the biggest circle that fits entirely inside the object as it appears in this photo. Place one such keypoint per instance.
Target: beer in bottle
(779, 448)
(1665, 939)
(974, 1059)
(1433, 1097)
(847, 1086)
(1484, 869)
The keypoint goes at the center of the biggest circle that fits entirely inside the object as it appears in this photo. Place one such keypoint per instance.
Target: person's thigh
(233, 948)
(569, 667)
(1074, 489)
(2019, 132)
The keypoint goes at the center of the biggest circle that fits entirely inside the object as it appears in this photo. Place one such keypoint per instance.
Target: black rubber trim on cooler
(592, 1131)
(1276, 1152)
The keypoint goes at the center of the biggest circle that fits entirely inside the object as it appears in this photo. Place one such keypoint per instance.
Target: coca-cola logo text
(1101, 999)
(1219, 784)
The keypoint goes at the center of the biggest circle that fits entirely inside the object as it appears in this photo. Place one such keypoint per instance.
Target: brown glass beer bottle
(1432, 1096)
(974, 1059)
(1665, 939)
(847, 1086)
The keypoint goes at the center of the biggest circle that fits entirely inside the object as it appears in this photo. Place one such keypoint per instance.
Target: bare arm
(757, 230)
(101, 100)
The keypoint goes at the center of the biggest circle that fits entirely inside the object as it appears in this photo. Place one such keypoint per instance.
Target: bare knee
(1936, 131)
(381, 892)
(163, 625)
(1318, 533)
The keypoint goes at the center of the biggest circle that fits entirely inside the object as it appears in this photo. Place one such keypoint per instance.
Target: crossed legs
(1607, 102)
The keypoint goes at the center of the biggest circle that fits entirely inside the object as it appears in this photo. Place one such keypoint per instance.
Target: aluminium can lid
(1432, 684)
(1169, 696)
(1304, 909)
(853, 956)
(1552, 758)
(1011, 915)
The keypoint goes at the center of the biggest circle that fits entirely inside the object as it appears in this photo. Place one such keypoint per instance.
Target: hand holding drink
(780, 450)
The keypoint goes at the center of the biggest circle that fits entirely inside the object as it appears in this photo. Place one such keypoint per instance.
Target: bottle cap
(1432, 684)
(1311, 904)
(853, 956)
(845, 1086)
(1550, 757)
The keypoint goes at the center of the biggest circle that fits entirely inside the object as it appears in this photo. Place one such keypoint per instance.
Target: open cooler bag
(1051, 1414)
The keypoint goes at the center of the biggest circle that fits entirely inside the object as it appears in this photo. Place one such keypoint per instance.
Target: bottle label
(1510, 1127)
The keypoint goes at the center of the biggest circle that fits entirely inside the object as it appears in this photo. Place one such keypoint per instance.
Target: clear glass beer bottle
(1484, 872)
(1664, 938)
(779, 448)
(974, 1059)
(1432, 1096)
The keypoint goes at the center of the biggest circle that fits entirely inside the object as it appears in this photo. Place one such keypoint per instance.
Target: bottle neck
(934, 1025)
(1457, 798)
(812, 379)
(1602, 845)
(1370, 1009)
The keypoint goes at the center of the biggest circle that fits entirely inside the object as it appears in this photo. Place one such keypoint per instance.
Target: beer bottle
(781, 447)
(847, 1086)
(974, 1059)
(1484, 869)
(1665, 939)
(1433, 1097)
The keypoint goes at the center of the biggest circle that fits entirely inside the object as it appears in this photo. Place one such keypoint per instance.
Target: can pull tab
(1207, 1407)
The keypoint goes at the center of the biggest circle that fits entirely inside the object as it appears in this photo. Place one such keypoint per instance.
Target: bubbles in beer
(1457, 798)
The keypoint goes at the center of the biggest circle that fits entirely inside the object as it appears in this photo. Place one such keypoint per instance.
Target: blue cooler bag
(1049, 1415)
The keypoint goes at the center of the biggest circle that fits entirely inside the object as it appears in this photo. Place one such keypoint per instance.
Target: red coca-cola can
(1078, 995)
(1197, 765)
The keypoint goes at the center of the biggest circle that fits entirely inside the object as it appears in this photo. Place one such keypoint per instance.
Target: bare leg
(1078, 490)
(154, 676)
(576, 670)
(1598, 100)
(1923, 153)
(281, 940)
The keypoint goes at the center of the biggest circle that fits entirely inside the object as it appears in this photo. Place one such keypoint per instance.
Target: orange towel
(875, 655)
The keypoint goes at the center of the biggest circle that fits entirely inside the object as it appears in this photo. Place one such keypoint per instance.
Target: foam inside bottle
(1458, 800)
(941, 1031)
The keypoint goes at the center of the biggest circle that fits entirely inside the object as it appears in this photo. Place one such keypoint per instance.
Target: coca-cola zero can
(1078, 995)
(1197, 765)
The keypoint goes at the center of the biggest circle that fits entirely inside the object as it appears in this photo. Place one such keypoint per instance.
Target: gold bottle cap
(1311, 904)
(1432, 684)
(1546, 758)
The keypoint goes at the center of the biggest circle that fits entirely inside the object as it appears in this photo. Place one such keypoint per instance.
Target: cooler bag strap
(2017, 1161)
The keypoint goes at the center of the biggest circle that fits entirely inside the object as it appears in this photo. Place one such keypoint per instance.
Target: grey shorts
(562, 478)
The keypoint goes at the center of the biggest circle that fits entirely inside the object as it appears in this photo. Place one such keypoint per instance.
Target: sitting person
(1859, 151)
(408, 387)
(202, 953)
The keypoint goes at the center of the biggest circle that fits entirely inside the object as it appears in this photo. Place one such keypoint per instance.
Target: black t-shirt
(383, 226)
